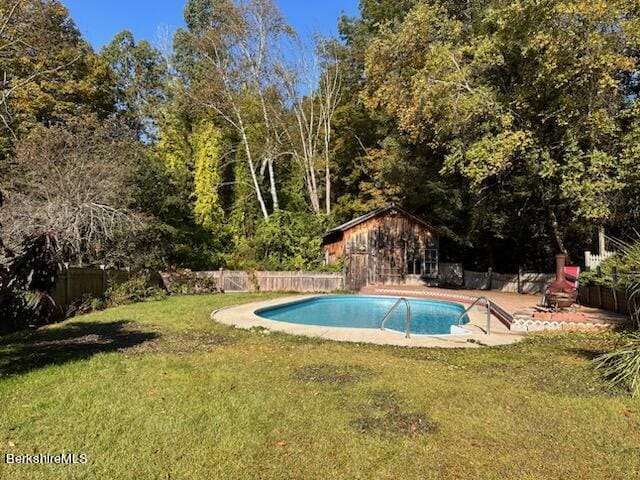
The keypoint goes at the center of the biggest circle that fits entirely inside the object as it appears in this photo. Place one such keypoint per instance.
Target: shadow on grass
(26, 351)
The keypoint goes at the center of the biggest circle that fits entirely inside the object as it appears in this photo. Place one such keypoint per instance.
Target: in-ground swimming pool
(428, 317)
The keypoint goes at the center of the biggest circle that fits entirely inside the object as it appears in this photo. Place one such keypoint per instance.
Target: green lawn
(159, 391)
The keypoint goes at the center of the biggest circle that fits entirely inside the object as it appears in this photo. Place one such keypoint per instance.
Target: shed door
(356, 267)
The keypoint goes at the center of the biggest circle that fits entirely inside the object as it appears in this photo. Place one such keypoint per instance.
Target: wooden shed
(386, 246)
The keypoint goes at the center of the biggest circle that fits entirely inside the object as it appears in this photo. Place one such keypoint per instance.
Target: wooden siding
(376, 250)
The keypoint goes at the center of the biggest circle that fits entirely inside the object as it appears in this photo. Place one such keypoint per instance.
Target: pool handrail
(407, 322)
(487, 303)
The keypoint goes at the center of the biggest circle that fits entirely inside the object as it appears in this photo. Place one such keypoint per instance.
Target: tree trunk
(252, 169)
(557, 234)
(272, 184)
(327, 187)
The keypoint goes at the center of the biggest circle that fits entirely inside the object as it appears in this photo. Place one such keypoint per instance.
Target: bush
(87, 304)
(622, 366)
(289, 241)
(185, 282)
(137, 289)
(26, 283)
(626, 262)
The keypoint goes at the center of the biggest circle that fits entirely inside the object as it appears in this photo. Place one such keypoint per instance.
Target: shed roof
(367, 216)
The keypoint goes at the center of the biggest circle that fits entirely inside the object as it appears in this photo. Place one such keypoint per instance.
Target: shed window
(414, 265)
(431, 262)
(423, 263)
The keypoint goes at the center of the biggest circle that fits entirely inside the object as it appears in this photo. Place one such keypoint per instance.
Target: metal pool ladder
(488, 304)
(407, 322)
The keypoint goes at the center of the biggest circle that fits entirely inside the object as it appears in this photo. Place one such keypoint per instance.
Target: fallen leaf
(281, 443)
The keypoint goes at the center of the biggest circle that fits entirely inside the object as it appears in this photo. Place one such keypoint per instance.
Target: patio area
(517, 311)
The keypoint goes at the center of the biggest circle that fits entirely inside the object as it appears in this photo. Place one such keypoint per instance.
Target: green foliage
(185, 282)
(205, 143)
(137, 289)
(27, 282)
(140, 77)
(288, 241)
(516, 95)
(627, 264)
(43, 51)
(622, 366)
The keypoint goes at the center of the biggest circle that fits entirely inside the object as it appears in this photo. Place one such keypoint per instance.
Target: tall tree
(235, 45)
(312, 86)
(140, 77)
(48, 72)
(529, 97)
(72, 179)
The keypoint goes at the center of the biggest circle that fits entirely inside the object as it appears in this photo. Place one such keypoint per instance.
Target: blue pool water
(428, 317)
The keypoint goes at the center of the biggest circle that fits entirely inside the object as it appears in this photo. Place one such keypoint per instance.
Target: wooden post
(489, 278)
(587, 260)
(601, 243)
(221, 280)
(67, 285)
(588, 290)
(614, 286)
(104, 279)
(519, 279)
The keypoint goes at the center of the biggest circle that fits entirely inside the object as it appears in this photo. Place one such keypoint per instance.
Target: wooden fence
(521, 282)
(74, 283)
(268, 281)
(299, 281)
(606, 298)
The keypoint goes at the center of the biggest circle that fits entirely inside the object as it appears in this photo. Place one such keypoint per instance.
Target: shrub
(185, 282)
(622, 366)
(87, 304)
(626, 262)
(26, 283)
(137, 289)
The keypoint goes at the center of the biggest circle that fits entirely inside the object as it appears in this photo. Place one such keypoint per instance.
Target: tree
(236, 45)
(48, 72)
(71, 179)
(530, 95)
(140, 77)
(312, 89)
(206, 145)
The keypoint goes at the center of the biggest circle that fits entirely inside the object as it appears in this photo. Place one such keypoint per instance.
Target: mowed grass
(159, 391)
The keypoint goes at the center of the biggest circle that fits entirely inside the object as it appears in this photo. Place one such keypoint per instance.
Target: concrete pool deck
(243, 316)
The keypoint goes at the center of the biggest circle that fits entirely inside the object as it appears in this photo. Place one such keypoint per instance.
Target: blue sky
(100, 20)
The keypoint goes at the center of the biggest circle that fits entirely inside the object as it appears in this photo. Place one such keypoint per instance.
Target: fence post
(104, 279)
(614, 286)
(587, 288)
(519, 279)
(67, 285)
(587, 260)
(221, 280)
(489, 278)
